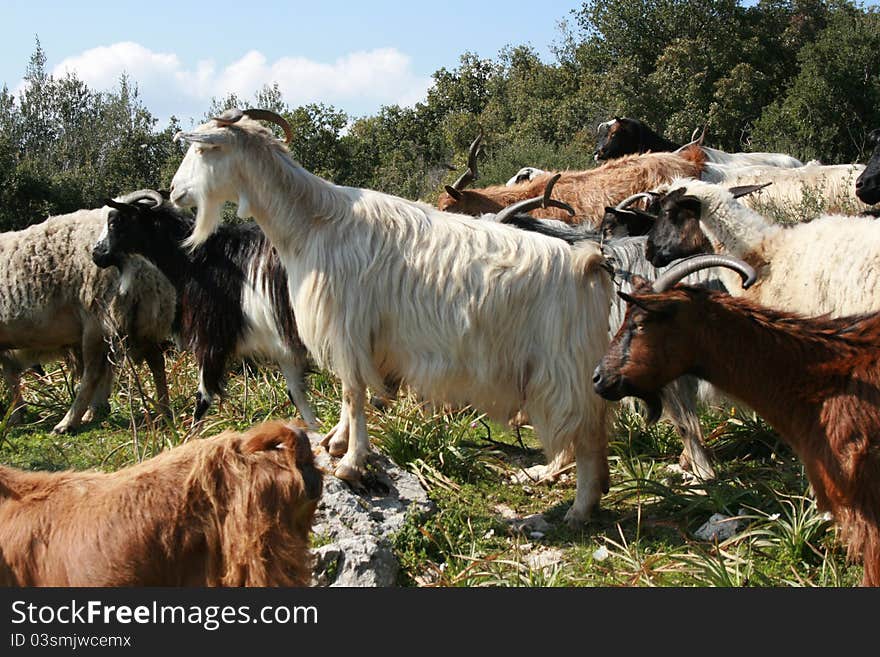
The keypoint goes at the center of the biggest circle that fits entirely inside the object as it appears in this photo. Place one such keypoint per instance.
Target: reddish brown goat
(816, 381)
(233, 510)
(588, 192)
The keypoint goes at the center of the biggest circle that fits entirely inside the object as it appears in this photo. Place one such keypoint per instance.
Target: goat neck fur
(829, 265)
(816, 381)
(587, 192)
(233, 510)
(382, 287)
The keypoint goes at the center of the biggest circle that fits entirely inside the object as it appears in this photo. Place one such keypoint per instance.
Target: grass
(643, 535)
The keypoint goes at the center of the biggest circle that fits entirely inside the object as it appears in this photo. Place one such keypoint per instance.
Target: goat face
(615, 140)
(676, 233)
(207, 176)
(868, 183)
(102, 253)
(131, 229)
(649, 349)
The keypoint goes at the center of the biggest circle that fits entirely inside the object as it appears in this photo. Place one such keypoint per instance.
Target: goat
(626, 258)
(832, 185)
(868, 182)
(588, 192)
(624, 136)
(463, 311)
(231, 292)
(830, 265)
(816, 381)
(53, 298)
(232, 510)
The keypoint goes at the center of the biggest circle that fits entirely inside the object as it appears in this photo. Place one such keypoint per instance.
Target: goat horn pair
(529, 204)
(471, 174)
(629, 200)
(234, 115)
(695, 141)
(150, 194)
(688, 266)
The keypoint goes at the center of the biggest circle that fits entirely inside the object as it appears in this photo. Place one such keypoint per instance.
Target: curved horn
(688, 266)
(529, 204)
(150, 194)
(629, 200)
(471, 174)
(272, 117)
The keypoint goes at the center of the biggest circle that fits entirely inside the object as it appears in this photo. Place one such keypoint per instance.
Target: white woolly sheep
(53, 297)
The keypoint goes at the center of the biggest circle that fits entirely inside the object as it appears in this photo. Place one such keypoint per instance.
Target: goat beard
(654, 404)
(207, 220)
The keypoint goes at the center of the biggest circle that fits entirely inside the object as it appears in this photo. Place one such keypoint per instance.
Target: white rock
(718, 527)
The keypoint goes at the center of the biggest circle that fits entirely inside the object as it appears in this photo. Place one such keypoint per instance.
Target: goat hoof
(325, 441)
(63, 428)
(577, 518)
(97, 413)
(338, 446)
(537, 474)
(348, 473)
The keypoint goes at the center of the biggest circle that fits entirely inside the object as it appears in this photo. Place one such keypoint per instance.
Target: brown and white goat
(816, 381)
(588, 192)
(233, 510)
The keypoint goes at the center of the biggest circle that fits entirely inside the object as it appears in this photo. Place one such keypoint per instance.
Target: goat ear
(742, 190)
(674, 195)
(207, 139)
(637, 223)
(453, 192)
(648, 302)
(116, 205)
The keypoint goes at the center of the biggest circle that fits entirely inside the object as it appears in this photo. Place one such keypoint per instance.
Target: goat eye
(639, 327)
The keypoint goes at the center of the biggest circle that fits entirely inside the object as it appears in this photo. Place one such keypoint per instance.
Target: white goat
(829, 265)
(463, 311)
(832, 185)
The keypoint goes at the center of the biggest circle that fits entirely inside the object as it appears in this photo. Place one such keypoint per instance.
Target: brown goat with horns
(816, 381)
(233, 510)
(590, 193)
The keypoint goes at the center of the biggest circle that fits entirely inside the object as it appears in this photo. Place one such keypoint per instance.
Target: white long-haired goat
(463, 311)
(829, 265)
(829, 187)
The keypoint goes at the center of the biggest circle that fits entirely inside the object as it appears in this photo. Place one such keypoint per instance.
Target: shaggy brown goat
(588, 192)
(816, 381)
(232, 510)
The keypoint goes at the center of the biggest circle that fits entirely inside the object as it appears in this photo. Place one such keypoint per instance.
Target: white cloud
(358, 82)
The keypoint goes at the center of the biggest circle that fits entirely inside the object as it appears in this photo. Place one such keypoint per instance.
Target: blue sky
(354, 55)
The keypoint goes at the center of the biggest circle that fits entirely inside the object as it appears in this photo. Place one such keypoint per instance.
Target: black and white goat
(232, 293)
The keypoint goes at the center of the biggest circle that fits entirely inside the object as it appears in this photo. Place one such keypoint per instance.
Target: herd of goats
(652, 276)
